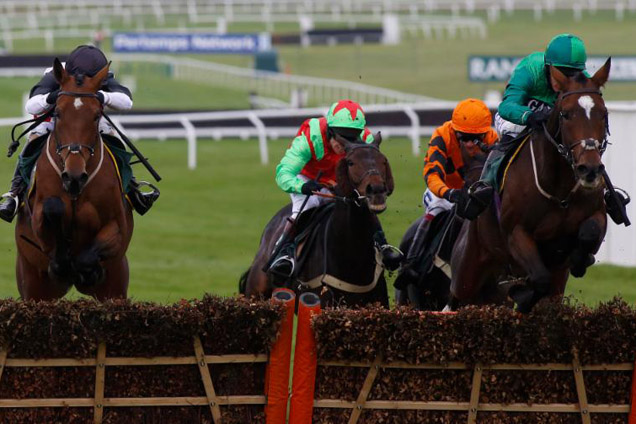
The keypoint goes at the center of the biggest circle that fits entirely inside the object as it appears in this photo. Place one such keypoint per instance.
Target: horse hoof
(524, 297)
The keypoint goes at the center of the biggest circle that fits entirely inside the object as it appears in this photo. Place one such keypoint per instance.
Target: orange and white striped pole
(632, 408)
(305, 362)
(277, 374)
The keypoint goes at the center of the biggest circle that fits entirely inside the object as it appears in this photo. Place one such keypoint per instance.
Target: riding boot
(408, 274)
(283, 263)
(142, 200)
(391, 256)
(11, 199)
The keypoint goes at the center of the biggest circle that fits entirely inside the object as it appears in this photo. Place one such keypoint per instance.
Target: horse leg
(108, 244)
(115, 285)
(590, 236)
(34, 284)
(469, 264)
(525, 251)
(52, 233)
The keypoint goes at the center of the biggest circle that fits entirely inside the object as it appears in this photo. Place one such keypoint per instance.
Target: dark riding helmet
(85, 60)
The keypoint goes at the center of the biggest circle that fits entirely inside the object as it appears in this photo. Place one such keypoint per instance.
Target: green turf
(205, 229)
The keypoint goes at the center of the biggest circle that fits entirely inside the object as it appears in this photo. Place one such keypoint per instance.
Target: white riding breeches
(434, 205)
(44, 127)
(298, 199)
(507, 128)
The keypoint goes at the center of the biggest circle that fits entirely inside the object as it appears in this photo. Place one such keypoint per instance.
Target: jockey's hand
(100, 97)
(309, 187)
(456, 196)
(52, 97)
(536, 119)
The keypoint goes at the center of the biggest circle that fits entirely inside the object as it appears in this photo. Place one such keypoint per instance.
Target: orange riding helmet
(471, 116)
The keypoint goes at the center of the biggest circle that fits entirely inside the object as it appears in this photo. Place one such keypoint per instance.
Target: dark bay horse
(552, 216)
(75, 225)
(344, 247)
(432, 289)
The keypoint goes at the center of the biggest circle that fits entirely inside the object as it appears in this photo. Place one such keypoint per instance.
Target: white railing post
(415, 129)
(191, 136)
(262, 136)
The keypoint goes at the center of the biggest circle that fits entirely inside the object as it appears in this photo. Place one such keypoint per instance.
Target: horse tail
(243, 281)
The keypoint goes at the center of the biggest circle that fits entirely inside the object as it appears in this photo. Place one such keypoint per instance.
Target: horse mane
(79, 80)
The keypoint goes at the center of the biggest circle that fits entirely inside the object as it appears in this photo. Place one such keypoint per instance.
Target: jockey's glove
(52, 97)
(309, 187)
(456, 196)
(536, 119)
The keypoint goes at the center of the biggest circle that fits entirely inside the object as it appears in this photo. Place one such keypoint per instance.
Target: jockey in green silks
(309, 165)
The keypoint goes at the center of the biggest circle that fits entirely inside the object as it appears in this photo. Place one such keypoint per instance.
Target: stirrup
(155, 190)
(282, 262)
(391, 256)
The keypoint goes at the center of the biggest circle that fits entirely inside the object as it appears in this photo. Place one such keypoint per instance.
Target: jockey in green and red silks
(315, 151)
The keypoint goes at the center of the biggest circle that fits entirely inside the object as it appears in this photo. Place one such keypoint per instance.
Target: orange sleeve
(491, 137)
(435, 165)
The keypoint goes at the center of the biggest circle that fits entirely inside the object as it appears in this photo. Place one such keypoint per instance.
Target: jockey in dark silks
(309, 166)
(529, 98)
(87, 61)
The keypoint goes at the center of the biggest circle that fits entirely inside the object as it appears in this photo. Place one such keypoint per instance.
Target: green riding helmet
(346, 114)
(566, 50)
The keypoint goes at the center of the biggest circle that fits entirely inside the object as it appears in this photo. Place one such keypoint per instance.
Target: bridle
(566, 151)
(587, 144)
(372, 171)
(73, 148)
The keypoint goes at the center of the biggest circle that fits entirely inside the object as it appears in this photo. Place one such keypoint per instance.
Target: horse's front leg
(591, 234)
(108, 244)
(49, 230)
(524, 250)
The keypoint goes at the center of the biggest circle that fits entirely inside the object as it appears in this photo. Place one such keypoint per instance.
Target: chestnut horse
(344, 247)
(75, 225)
(552, 216)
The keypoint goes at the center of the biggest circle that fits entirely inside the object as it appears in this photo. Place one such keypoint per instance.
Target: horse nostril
(83, 178)
(601, 168)
(582, 170)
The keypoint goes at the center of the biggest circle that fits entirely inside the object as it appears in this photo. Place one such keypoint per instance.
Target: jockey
(84, 60)
(313, 151)
(529, 97)
(470, 125)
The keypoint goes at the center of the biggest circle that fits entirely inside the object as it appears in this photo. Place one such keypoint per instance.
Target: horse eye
(349, 162)
(565, 115)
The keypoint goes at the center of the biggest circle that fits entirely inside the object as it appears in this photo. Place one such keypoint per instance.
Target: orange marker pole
(277, 374)
(632, 408)
(305, 362)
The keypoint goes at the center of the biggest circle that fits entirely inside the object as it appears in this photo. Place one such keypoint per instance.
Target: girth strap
(336, 283)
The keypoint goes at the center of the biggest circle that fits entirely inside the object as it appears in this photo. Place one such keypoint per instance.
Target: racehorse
(75, 224)
(341, 265)
(551, 219)
(432, 289)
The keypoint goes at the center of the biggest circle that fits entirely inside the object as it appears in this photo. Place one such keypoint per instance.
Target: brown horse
(552, 216)
(432, 289)
(344, 247)
(75, 225)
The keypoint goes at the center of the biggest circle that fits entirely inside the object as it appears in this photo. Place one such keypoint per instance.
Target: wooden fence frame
(99, 402)
(474, 406)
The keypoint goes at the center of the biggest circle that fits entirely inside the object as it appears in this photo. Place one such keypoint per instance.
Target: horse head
(365, 172)
(474, 160)
(76, 132)
(580, 117)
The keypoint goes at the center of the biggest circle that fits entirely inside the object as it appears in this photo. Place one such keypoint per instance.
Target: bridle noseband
(588, 144)
(73, 148)
(373, 171)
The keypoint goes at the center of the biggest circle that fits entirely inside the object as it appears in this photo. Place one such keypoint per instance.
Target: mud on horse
(75, 225)
(552, 214)
(343, 254)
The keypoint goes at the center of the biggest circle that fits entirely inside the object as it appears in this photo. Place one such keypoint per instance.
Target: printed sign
(499, 68)
(135, 42)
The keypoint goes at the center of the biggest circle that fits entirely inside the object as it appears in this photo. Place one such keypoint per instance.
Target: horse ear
(390, 184)
(100, 76)
(59, 72)
(377, 139)
(558, 80)
(346, 144)
(344, 186)
(602, 75)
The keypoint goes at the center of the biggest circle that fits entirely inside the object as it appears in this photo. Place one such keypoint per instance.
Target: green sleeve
(295, 159)
(514, 107)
